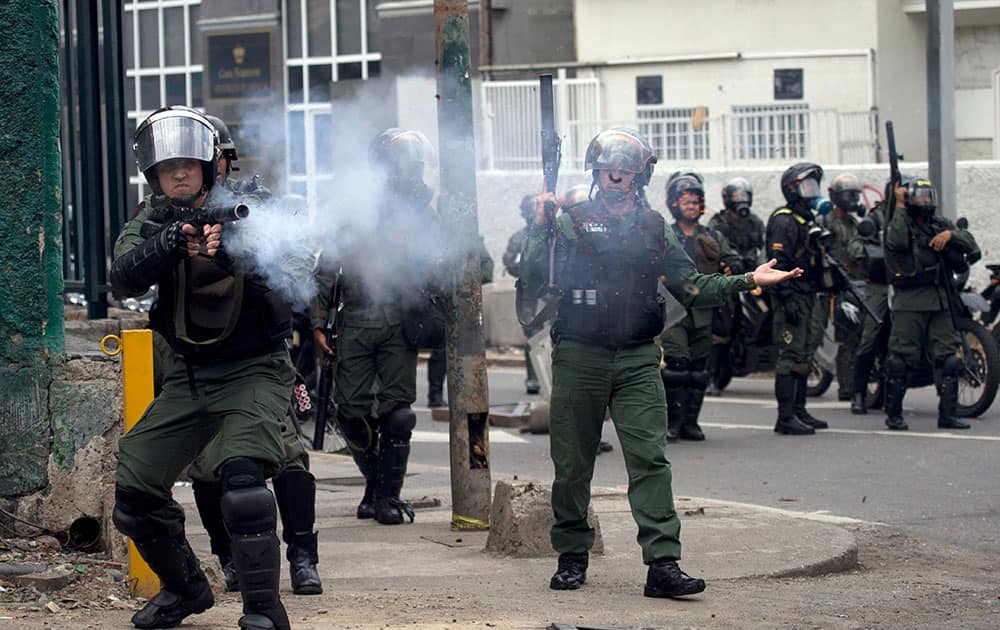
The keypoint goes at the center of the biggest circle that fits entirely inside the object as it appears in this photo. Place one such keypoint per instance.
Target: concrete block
(521, 518)
(514, 416)
(46, 581)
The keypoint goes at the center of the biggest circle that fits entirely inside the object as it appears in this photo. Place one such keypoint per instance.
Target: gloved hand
(793, 313)
(174, 240)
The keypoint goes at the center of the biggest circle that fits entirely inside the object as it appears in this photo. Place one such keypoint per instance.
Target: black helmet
(795, 182)
(408, 161)
(921, 196)
(225, 139)
(737, 196)
(176, 132)
(528, 207)
(575, 196)
(845, 193)
(680, 183)
(621, 149)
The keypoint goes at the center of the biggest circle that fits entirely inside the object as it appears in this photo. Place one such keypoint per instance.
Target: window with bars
(163, 65)
(770, 132)
(673, 137)
(324, 41)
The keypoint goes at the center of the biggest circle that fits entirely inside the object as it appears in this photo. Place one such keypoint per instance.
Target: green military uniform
(869, 254)
(921, 319)
(686, 346)
(604, 358)
(744, 234)
(844, 230)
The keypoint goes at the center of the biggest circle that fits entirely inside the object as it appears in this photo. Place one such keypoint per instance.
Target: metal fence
(747, 135)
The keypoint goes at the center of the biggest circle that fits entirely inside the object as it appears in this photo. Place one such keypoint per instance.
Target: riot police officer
(866, 248)
(799, 317)
(845, 193)
(922, 250)
(371, 342)
(604, 356)
(294, 487)
(686, 346)
(231, 376)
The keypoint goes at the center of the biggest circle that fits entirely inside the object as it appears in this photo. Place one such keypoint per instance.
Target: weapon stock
(845, 280)
(325, 385)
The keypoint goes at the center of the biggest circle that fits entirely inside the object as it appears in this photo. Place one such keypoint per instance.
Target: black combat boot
(665, 579)
(437, 369)
(801, 393)
(895, 390)
(571, 572)
(295, 493)
(677, 402)
(690, 429)
(531, 386)
(393, 454)
(207, 495)
(784, 392)
(367, 462)
(862, 370)
(184, 589)
(948, 393)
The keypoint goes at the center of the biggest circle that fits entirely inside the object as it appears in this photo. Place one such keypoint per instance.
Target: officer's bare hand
(766, 275)
(320, 335)
(541, 218)
(726, 269)
(940, 240)
(212, 235)
(193, 239)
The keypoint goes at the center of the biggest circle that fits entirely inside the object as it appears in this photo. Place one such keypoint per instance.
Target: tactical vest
(917, 266)
(743, 235)
(609, 287)
(703, 248)
(805, 256)
(874, 261)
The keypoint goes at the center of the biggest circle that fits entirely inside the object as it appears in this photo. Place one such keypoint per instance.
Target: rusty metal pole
(468, 390)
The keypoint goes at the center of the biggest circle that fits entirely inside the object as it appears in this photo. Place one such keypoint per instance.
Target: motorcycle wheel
(818, 381)
(983, 360)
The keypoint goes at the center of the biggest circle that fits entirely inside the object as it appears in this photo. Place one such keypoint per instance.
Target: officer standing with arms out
(604, 353)
(745, 233)
(512, 263)
(921, 252)
(294, 486)
(845, 193)
(231, 376)
(371, 343)
(799, 315)
(687, 345)
(868, 251)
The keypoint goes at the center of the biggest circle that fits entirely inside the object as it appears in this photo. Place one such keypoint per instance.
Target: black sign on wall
(239, 65)
(788, 84)
(649, 90)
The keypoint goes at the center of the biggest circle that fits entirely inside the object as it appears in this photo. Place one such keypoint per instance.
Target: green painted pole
(468, 389)
(31, 319)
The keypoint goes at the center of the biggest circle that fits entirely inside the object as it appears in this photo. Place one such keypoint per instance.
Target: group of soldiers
(609, 264)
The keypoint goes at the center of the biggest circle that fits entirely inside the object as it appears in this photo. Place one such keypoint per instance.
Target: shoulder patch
(778, 247)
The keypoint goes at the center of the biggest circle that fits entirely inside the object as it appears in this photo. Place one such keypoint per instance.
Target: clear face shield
(173, 135)
(922, 199)
(412, 168)
(808, 188)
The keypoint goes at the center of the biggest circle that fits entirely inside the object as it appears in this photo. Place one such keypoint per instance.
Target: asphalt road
(940, 486)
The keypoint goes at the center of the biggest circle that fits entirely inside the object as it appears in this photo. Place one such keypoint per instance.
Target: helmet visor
(173, 137)
(923, 197)
(850, 197)
(739, 196)
(808, 188)
(619, 151)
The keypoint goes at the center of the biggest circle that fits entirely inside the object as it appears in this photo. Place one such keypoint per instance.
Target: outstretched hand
(766, 275)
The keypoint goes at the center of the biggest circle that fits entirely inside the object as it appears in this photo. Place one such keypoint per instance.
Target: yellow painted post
(136, 348)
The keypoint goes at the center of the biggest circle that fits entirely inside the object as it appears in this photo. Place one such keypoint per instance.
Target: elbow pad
(141, 267)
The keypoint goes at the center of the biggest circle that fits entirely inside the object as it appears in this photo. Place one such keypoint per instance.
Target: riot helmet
(575, 196)
(685, 183)
(621, 149)
(845, 193)
(408, 162)
(921, 197)
(528, 207)
(737, 196)
(800, 184)
(176, 133)
(226, 143)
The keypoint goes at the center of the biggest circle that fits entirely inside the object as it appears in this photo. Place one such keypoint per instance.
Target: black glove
(793, 314)
(174, 240)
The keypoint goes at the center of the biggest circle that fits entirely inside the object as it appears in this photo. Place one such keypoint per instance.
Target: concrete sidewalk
(425, 575)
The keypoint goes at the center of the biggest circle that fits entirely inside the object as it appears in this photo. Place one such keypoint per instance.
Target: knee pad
(951, 366)
(677, 373)
(895, 366)
(357, 432)
(699, 379)
(247, 504)
(399, 423)
(131, 514)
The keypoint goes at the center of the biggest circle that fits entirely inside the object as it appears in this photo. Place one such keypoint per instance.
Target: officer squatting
(226, 376)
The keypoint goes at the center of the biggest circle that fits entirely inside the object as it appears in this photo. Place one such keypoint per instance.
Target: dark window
(372, 26)
(130, 93)
(193, 13)
(173, 36)
(347, 71)
(348, 27)
(319, 27)
(319, 83)
(788, 84)
(196, 100)
(295, 84)
(128, 47)
(374, 69)
(293, 19)
(149, 92)
(176, 89)
(649, 90)
(149, 39)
